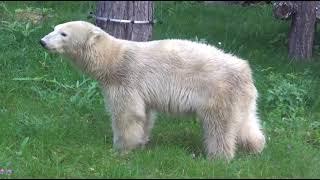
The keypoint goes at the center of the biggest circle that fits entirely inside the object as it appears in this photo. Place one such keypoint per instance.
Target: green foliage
(288, 93)
(85, 97)
(288, 100)
(201, 40)
(21, 23)
(42, 11)
(20, 31)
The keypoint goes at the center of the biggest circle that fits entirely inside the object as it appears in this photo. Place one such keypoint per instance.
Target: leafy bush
(83, 94)
(288, 93)
(288, 102)
(23, 22)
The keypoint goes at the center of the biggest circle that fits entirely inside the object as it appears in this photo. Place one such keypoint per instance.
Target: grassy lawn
(53, 122)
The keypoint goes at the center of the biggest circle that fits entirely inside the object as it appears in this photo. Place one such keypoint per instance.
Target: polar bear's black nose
(42, 43)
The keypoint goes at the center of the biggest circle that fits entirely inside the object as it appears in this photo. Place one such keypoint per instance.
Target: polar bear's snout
(53, 42)
(43, 43)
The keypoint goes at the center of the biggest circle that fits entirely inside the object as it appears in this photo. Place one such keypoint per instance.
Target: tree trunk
(283, 9)
(302, 31)
(126, 10)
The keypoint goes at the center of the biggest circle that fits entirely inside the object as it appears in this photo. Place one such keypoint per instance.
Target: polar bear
(170, 76)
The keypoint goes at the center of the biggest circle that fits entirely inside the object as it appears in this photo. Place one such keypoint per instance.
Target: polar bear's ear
(96, 31)
(95, 34)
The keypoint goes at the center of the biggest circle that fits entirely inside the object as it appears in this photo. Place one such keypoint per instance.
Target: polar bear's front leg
(148, 125)
(128, 123)
(132, 129)
(128, 132)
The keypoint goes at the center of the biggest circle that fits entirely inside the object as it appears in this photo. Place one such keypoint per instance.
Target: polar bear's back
(187, 50)
(189, 58)
(180, 75)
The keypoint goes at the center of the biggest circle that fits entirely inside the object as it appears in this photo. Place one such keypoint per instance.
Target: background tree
(126, 10)
(303, 25)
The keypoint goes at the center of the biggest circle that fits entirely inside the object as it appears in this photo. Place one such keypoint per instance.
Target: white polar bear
(173, 76)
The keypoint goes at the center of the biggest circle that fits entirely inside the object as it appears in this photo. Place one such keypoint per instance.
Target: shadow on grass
(184, 134)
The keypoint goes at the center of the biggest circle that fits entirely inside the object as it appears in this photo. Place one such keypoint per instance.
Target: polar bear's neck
(100, 59)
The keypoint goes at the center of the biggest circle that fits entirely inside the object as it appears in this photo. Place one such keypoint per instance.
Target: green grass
(53, 122)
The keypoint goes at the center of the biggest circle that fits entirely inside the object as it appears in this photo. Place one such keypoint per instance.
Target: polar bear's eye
(63, 34)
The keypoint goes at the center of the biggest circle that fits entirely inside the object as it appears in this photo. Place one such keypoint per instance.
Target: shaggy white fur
(173, 76)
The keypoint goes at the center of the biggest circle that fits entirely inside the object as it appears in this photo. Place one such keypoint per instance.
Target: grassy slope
(47, 130)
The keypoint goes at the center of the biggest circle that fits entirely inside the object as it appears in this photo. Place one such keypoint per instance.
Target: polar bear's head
(71, 37)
